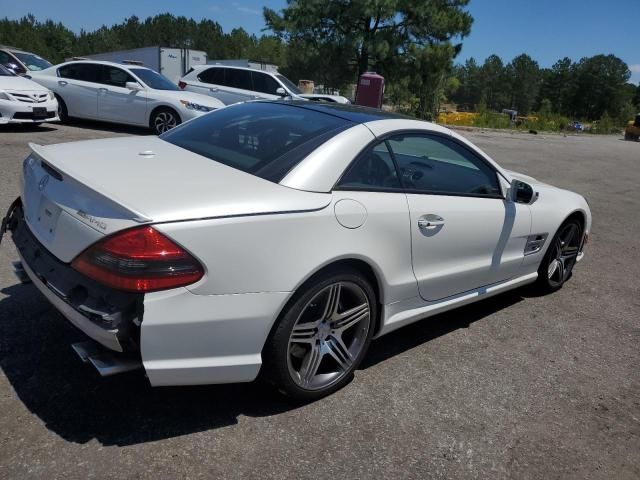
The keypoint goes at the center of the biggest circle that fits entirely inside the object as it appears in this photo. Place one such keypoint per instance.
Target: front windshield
(289, 84)
(153, 79)
(4, 72)
(33, 62)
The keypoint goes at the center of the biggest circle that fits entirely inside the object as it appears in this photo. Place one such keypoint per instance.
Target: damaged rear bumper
(109, 317)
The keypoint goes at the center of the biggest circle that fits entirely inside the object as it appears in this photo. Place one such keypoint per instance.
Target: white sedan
(118, 93)
(24, 101)
(279, 238)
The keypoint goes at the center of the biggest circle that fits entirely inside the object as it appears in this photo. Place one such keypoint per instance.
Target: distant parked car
(238, 84)
(21, 62)
(24, 101)
(126, 94)
(575, 126)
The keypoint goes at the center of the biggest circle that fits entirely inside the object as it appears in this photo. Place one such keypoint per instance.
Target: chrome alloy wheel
(565, 252)
(164, 121)
(328, 336)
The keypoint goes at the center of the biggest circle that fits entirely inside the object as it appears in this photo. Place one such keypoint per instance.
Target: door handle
(430, 222)
(214, 90)
(103, 90)
(62, 83)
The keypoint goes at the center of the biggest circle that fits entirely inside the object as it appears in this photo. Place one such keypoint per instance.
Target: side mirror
(133, 86)
(522, 192)
(281, 92)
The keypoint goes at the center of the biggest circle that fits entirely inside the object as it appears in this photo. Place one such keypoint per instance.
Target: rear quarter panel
(277, 253)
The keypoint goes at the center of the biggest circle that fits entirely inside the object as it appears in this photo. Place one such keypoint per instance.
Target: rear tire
(557, 264)
(321, 336)
(164, 119)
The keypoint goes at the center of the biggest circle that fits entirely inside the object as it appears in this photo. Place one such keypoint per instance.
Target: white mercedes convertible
(278, 238)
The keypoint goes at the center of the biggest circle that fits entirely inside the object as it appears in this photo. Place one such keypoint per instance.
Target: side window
(86, 72)
(264, 83)
(214, 76)
(374, 170)
(115, 77)
(433, 164)
(238, 78)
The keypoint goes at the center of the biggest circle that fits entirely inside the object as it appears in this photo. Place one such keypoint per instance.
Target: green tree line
(587, 89)
(412, 44)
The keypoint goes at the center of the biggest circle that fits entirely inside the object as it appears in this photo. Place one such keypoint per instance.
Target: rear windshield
(261, 138)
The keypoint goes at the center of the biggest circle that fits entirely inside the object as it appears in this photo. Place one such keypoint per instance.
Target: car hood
(20, 84)
(205, 100)
(160, 182)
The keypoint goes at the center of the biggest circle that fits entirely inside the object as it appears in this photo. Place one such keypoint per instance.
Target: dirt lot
(515, 387)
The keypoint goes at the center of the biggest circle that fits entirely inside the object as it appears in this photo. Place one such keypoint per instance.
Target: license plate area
(39, 113)
(48, 216)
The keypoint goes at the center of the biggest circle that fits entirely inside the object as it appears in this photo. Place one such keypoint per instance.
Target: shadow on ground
(108, 127)
(26, 128)
(75, 403)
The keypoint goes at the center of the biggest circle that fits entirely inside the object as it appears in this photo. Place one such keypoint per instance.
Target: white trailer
(173, 63)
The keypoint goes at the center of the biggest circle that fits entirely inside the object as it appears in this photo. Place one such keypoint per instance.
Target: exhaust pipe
(105, 361)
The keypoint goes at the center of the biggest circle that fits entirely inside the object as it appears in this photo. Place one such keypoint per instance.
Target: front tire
(164, 119)
(63, 113)
(321, 336)
(557, 265)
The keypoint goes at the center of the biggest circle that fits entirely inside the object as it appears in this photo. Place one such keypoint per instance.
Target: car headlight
(52, 95)
(195, 106)
(4, 96)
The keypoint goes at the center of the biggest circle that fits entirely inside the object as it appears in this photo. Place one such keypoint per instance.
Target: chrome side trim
(107, 338)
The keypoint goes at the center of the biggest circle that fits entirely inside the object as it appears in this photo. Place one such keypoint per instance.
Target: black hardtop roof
(352, 113)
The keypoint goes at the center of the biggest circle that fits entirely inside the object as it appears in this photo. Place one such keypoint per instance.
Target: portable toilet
(370, 90)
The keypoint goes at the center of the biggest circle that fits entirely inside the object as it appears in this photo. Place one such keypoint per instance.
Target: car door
(78, 85)
(117, 103)
(264, 85)
(370, 204)
(213, 82)
(464, 233)
(209, 82)
(238, 85)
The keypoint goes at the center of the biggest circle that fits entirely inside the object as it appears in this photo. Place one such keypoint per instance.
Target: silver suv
(238, 84)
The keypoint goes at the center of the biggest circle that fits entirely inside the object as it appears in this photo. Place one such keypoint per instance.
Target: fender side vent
(535, 243)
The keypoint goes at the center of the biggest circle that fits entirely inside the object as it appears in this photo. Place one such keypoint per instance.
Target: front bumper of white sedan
(14, 111)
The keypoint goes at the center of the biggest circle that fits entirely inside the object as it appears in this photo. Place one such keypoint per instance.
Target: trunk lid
(75, 193)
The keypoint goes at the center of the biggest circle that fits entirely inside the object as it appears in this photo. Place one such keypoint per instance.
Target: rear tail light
(139, 260)
(182, 84)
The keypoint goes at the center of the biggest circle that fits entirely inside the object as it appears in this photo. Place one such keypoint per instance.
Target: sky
(547, 30)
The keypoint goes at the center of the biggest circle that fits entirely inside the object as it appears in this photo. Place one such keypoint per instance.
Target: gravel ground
(515, 387)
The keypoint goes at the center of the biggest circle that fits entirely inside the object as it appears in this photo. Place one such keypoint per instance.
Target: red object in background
(370, 90)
